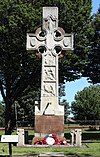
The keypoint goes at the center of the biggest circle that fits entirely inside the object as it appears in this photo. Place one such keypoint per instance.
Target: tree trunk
(8, 118)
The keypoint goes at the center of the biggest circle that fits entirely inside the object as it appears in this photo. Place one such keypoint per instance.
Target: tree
(25, 107)
(20, 70)
(1, 114)
(66, 109)
(92, 69)
(87, 104)
(61, 90)
(17, 67)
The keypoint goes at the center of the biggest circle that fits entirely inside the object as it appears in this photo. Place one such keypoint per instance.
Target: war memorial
(49, 41)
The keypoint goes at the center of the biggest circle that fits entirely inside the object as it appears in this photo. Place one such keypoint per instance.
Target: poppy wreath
(54, 138)
(51, 139)
(39, 142)
(57, 141)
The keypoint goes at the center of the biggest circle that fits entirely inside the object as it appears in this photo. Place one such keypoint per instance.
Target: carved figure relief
(49, 90)
(49, 73)
(49, 59)
(51, 24)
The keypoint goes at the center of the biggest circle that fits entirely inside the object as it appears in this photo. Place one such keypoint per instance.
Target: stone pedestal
(76, 138)
(48, 124)
(78, 133)
(72, 137)
(21, 140)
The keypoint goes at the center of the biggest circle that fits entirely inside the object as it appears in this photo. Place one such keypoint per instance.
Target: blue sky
(73, 87)
(95, 5)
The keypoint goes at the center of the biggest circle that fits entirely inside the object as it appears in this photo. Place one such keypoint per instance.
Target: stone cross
(49, 41)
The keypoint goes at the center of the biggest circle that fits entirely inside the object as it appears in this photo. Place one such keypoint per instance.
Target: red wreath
(52, 136)
(56, 139)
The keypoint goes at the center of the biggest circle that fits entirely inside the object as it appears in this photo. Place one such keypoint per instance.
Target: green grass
(93, 150)
(90, 138)
(2, 133)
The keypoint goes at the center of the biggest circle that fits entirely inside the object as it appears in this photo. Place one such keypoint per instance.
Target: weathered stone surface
(21, 139)
(49, 41)
(49, 124)
(52, 154)
(76, 137)
(78, 133)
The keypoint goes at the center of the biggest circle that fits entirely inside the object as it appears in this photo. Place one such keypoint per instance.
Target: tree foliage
(66, 109)
(17, 67)
(92, 69)
(1, 115)
(87, 104)
(25, 107)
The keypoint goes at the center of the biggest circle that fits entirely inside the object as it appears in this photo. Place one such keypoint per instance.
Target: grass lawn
(93, 150)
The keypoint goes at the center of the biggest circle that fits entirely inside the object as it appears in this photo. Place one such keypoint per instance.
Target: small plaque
(9, 138)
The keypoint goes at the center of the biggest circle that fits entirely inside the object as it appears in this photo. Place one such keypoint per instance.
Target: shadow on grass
(35, 155)
(85, 136)
(26, 155)
(72, 155)
(76, 155)
(4, 155)
(81, 155)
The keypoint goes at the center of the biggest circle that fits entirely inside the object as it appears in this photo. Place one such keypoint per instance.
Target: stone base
(51, 154)
(48, 124)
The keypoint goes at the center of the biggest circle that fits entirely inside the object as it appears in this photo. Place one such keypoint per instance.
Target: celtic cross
(49, 41)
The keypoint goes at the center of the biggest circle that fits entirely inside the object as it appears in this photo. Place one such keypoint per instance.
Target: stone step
(52, 154)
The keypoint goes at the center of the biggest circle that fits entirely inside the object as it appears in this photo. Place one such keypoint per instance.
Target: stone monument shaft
(49, 41)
